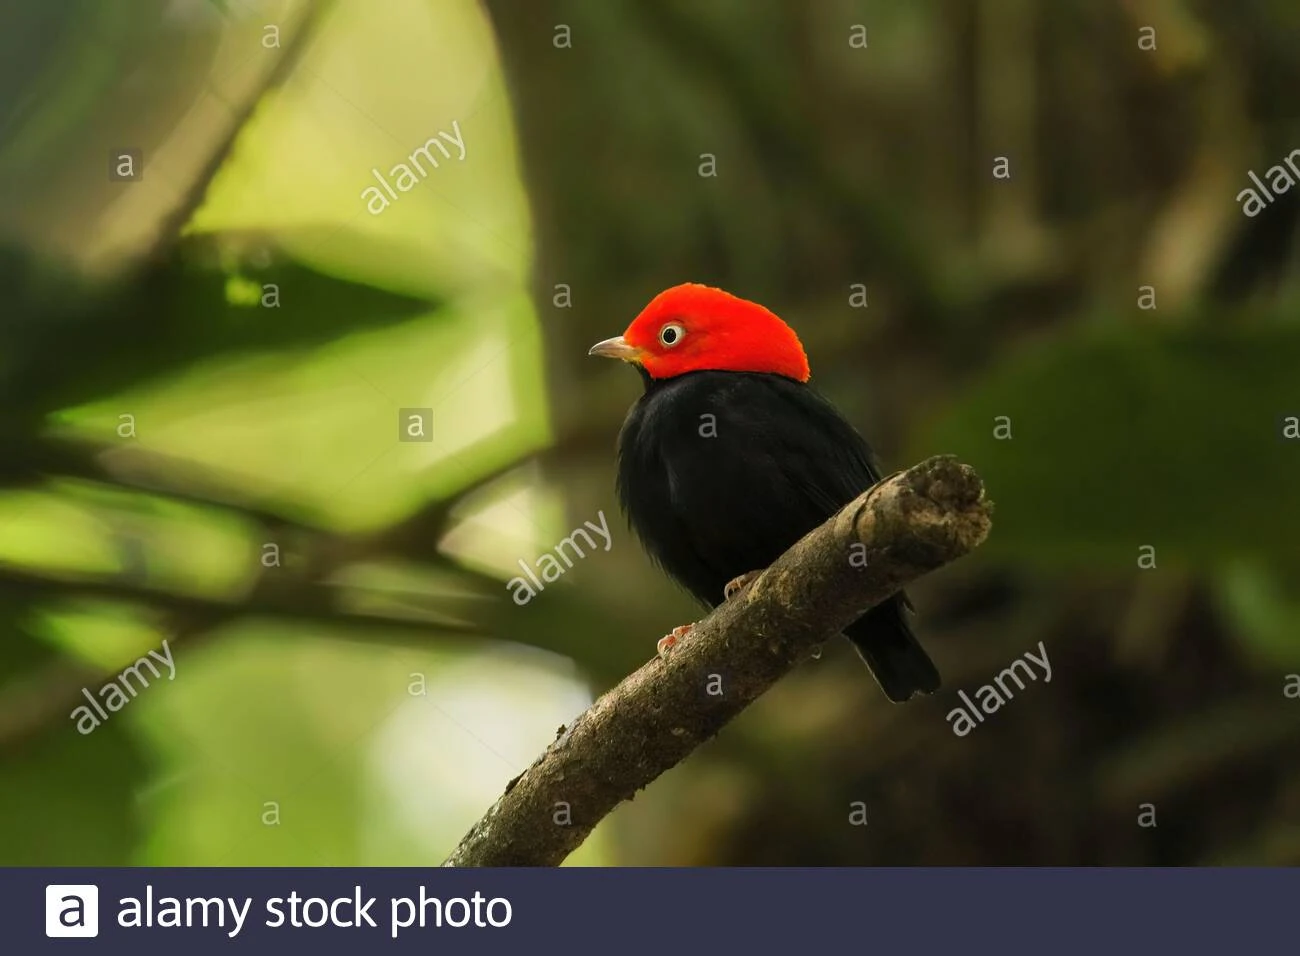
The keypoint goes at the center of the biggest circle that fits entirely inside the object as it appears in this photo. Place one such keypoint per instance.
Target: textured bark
(905, 526)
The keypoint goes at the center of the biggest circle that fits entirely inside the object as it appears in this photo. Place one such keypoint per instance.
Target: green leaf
(180, 313)
(1266, 617)
(1126, 436)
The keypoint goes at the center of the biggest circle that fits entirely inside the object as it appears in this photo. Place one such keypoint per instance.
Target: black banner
(1008, 911)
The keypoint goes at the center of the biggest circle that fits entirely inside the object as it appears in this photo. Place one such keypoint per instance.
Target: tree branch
(905, 526)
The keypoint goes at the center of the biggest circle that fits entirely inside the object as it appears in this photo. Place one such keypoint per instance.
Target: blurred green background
(201, 373)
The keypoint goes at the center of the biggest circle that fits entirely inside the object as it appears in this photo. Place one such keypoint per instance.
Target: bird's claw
(668, 640)
(739, 583)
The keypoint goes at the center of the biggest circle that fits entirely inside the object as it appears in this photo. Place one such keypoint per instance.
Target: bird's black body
(721, 472)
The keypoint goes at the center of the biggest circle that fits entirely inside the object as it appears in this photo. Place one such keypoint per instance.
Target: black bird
(730, 457)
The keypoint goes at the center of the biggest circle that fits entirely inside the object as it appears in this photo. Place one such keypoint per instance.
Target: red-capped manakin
(729, 457)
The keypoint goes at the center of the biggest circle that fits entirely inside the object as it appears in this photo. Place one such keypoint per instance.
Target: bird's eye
(670, 335)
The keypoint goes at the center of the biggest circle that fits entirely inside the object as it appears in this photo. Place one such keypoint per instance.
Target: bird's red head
(692, 328)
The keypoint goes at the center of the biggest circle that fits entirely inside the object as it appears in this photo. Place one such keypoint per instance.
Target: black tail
(896, 658)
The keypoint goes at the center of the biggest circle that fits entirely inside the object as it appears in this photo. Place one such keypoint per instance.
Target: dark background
(353, 684)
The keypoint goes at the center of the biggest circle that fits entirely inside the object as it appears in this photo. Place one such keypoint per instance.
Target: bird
(730, 456)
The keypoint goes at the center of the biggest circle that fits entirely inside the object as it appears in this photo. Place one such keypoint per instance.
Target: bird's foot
(668, 640)
(739, 583)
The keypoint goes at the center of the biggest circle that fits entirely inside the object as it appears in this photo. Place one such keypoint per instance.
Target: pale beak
(618, 348)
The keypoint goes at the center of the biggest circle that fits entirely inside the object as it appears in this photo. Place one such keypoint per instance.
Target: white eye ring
(671, 335)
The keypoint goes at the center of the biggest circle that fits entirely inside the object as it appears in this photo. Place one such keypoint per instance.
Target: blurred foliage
(64, 804)
(201, 374)
(1115, 435)
(199, 440)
